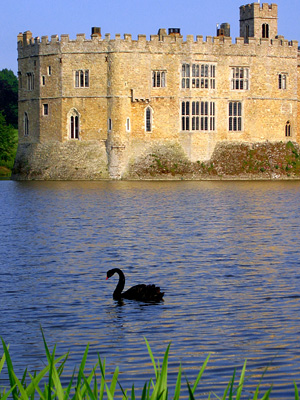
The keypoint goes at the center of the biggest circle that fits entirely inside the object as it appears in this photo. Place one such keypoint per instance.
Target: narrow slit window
(148, 119)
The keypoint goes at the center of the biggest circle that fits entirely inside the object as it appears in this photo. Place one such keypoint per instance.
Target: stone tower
(258, 21)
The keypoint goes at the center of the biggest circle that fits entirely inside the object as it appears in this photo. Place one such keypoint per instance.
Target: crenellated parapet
(257, 10)
(27, 45)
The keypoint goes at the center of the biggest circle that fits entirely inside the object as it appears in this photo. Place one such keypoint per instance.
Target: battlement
(256, 10)
(160, 43)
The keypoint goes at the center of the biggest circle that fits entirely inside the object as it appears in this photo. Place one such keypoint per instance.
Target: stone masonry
(88, 108)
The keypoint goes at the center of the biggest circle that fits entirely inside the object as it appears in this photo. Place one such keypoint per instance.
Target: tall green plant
(47, 384)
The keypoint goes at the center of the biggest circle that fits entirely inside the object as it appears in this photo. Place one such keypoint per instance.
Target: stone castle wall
(112, 108)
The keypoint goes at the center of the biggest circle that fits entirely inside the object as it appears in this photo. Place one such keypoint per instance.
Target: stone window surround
(148, 119)
(26, 124)
(288, 129)
(235, 116)
(282, 80)
(239, 78)
(45, 109)
(198, 75)
(198, 115)
(82, 78)
(159, 78)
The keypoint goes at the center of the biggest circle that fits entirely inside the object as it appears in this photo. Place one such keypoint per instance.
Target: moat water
(225, 253)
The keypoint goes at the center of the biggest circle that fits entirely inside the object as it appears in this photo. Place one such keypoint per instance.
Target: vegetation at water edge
(8, 121)
(94, 385)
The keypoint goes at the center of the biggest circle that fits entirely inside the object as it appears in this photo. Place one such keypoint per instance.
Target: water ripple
(226, 254)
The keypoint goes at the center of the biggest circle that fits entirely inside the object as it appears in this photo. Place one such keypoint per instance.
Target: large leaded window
(82, 78)
(198, 76)
(239, 78)
(235, 116)
(197, 116)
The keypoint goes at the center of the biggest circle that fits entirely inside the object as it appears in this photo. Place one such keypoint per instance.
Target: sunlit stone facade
(89, 107)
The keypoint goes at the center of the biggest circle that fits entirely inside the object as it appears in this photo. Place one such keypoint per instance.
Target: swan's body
(138, 292)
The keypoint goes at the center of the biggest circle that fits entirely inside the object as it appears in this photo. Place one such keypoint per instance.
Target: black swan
(138, 292)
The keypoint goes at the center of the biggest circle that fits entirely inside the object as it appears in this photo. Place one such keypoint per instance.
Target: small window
(82, 78)
(265, 31)
(247, 31)
(148, 121)
(43, 80)
(288, 129)
(74, 127)
(49, 70)
(235, 116)
(239, 78)
(282, 81)
(26, 124)
(45, 109)
(128, 124)
(158, 79)
(109, 125)
(30, 81)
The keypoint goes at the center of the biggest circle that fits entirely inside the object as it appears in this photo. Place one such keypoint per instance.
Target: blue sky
(194, 17)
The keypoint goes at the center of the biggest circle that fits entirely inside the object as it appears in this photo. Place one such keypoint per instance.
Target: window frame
(198, 115)
(148, 119)
(45, 109)
(128, 125)
(235, 116)
(30, 81)
(288, 129)
(109, 124)
(198, 75)
(159, 78)
(282, 81)
(26, 124)
(82, 78)
(240, 78)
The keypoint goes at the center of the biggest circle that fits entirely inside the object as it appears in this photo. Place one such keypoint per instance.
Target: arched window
(26, 124)
(247, 31)
(148, 119)
(265, 31)
(288, 129)
(74, 120)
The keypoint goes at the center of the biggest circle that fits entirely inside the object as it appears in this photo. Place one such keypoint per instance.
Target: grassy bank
(94, 385)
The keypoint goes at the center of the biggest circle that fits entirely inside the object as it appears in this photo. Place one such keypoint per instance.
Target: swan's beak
(106, 278)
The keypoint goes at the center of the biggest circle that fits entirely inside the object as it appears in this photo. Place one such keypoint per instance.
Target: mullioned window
(282, 81)
(239, 78)
(198, 76)
(82, 78)
(158, 79)
(198, 115)
(235, 116)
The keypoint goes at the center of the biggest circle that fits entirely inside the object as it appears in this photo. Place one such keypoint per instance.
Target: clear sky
(195, 17)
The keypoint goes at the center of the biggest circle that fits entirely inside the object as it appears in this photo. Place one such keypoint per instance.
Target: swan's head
(110, 273)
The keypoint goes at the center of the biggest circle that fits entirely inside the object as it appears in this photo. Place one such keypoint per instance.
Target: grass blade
(296, 391)
(200, 373)
(152, 358)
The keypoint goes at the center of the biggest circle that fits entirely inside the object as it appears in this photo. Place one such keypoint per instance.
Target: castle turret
(258, 21)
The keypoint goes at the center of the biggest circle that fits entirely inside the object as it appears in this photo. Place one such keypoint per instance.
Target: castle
(88, 108)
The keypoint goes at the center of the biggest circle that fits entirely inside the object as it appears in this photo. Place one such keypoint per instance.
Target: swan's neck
(120, 285)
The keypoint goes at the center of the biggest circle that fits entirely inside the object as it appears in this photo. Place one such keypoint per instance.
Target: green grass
(94, 385)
